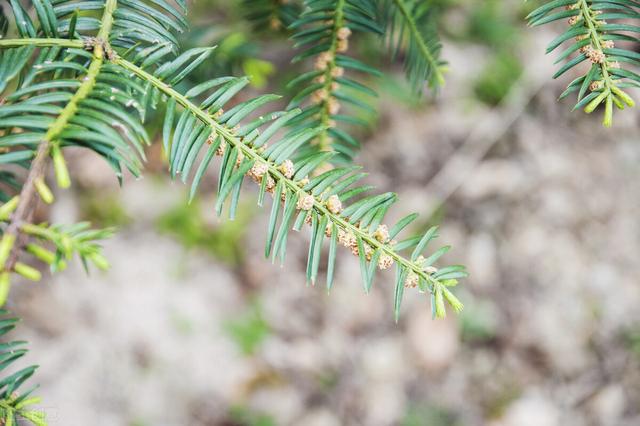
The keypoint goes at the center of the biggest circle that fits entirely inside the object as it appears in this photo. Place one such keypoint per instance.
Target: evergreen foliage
(601, 34)
(87, 73)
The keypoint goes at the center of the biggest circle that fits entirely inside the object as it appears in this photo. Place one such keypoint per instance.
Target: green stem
(41, 42)
(325, 115)
(249, 152)
(586, 12)
(417, 37)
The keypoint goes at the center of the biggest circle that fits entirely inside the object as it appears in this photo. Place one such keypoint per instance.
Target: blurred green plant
(492, 22)
(498, 77)
(244, 416)
(186, 223)
(428, 416)
(478, 324)
(631, 339)
(248, 329)
(103, 209)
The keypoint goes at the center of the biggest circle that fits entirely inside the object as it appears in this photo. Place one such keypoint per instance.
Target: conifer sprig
(595, 29)
(324, 30)
(316, 200)
(410, 27)
(16, 404)
(73, 80)
(271, 15)
(285, 168)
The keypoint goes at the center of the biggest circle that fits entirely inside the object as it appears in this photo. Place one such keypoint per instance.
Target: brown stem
(28, 202)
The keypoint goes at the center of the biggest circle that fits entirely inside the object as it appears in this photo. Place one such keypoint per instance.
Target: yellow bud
(453, 300)
(41, 253)
(591, 106)
(60, 167)
(622, 95)
(449, 283)
(27, 271)
(6, 244)
(5, 285)
(9, 207)
(439, 301)
(67, 245)
(44, 191)
(617, 102)
(608, 112)
(100, 261)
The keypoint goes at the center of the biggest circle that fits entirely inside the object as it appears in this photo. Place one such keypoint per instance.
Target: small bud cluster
(305, 202)
(412, 279)
(287, 169)
(258, 171)
(334, 204)
(348, 240)
(608, 44)
(326, 62)
(596, 56)
(385, 262)
(343, 39)
(323, 60)
(596, 85)
(382, 233)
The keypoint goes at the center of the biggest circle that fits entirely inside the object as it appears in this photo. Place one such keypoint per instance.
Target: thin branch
(249, 152)
(417, 36)
(27, 204)
(28, 194)
(329, 78)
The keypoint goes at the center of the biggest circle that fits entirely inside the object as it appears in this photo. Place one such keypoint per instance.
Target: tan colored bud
(382, 233)
(287, 168)
(411, 281)
(385, 262)
(258, 170)
(342, 46)
(334, 204)
(343, 33)
(305, 202)
(333, 106)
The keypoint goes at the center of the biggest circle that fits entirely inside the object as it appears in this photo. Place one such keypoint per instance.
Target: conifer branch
(138, 65)
(324, 96)
(325, 29)
(594, 41)
(433, 72)
(27, 200)
(276, 172)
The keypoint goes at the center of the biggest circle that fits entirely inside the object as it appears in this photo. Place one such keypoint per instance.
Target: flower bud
(6, 244)
(5, 285)
(9, 207)
(43, 190)
(60, 167)
(27, 271)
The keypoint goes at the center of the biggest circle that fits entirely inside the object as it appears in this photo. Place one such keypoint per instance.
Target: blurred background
(193, 327)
